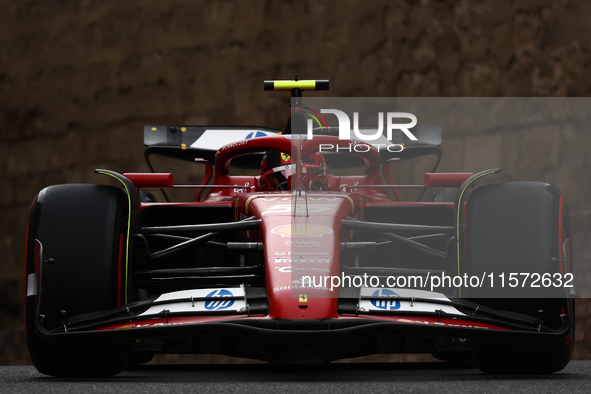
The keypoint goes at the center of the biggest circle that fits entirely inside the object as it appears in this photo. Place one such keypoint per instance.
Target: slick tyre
(75, 248)
(520, 227)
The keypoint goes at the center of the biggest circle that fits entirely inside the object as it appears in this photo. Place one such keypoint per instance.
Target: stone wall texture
(79, 79)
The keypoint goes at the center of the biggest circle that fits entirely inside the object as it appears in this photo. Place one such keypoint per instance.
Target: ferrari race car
(311, 257)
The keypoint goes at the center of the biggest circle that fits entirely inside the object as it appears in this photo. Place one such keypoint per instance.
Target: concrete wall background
(79, 79)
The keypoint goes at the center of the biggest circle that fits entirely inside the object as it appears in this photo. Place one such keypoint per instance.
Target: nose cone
(302, 254)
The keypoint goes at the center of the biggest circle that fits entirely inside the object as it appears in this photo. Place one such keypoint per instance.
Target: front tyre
(82, 232)
(521, 227)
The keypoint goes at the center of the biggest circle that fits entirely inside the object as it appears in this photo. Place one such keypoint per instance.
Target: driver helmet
(276, 170)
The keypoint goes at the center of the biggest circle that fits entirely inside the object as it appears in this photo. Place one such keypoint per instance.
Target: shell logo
(301, 230)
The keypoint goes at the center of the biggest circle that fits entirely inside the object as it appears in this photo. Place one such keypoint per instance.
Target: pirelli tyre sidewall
(82, 229)
(520, 227)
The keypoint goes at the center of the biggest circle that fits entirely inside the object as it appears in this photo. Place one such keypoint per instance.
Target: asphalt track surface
(332, 378)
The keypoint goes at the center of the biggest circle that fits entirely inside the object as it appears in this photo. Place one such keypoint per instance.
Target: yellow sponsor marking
(289, 85)
(301, 230)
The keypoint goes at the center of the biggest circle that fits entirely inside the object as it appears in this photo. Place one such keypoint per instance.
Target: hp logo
(255, 134)
(214, 305)
(386, 304)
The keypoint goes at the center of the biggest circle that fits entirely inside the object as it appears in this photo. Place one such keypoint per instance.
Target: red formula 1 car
(310, 259)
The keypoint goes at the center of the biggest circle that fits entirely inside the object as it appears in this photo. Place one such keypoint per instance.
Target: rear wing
(191, 142)
(428, 142)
